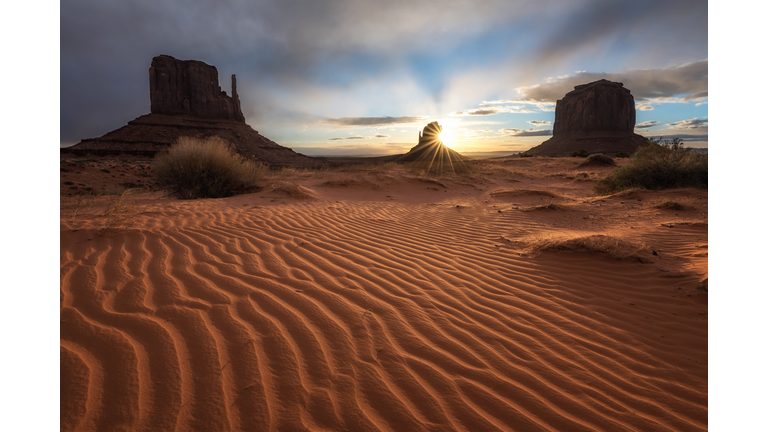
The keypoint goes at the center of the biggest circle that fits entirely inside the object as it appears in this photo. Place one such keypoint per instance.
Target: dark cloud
(381, 136)
(371, 121)
(658, 29)
(540, 122)
(690, 124)
(647, 124)
(526, 133)
(689, 80)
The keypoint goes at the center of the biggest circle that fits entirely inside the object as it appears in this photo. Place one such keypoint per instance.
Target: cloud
(644, 106)
(697, 96)
(694, 123)
(540, 122)
(371, 121)
(487, 110)
(381, 136)
(348, 138)
(659, 29)
(526, 133)
(647, 124)
(675, 84)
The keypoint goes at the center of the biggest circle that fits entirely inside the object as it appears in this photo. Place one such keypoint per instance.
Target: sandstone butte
(186, 100)
(598, 117)
(432, 152)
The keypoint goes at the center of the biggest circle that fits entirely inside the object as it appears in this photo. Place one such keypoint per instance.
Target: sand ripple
(365, 317)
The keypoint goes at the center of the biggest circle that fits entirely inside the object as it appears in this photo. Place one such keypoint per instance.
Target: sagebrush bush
(659, 165)
(206, 168)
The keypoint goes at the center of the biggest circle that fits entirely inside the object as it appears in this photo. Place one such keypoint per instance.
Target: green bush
(206, 168)
(659, 165)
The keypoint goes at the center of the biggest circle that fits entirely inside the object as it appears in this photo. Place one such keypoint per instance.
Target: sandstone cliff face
(598, 117)
(598, 106)
(188, 102)
(191, 87)
(430, 133)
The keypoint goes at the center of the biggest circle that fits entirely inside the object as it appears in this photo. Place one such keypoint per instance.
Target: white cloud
(486, 110)
(647, 124)
(694, 123)
(524, 133)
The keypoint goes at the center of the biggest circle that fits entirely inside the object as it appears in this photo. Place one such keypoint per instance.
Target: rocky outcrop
(191, 87)
(187, 101)
(598, 117)
(433, 153)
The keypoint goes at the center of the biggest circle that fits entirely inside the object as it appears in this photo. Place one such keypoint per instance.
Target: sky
(349, 77)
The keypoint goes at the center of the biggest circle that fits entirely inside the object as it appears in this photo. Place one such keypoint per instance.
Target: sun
(446, 137)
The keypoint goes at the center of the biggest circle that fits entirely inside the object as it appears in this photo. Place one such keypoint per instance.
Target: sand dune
(403, 308)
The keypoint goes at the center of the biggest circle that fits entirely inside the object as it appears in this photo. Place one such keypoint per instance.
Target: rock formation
(186, 100)
(598, 117)
(433, 154)
(190, 87)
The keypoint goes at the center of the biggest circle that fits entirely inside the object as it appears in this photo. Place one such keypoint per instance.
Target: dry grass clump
(598, 159)
(671, 205)
(610, 246)
(428, 180)
(206, 168)
(292, 189)
(121, 213)
(550, 206)
(349, 182)
(512, 192)
(581, 176)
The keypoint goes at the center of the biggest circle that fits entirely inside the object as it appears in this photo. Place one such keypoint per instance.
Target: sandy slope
(385, 302)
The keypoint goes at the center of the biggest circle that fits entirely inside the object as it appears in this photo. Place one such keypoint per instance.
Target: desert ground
(375, 298)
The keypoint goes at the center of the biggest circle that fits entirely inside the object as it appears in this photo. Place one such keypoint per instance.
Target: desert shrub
(524, 155)
(622, 155)
(598, 159)
(206, 168)
(671, 205)
(610, 246)
(659, 165)
(580, 153)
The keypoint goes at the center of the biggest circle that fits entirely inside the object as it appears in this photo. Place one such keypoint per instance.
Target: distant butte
(433, 153)
(598, 117)
(186, 100)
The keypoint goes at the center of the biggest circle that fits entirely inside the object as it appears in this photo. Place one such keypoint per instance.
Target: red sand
(385, 301)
